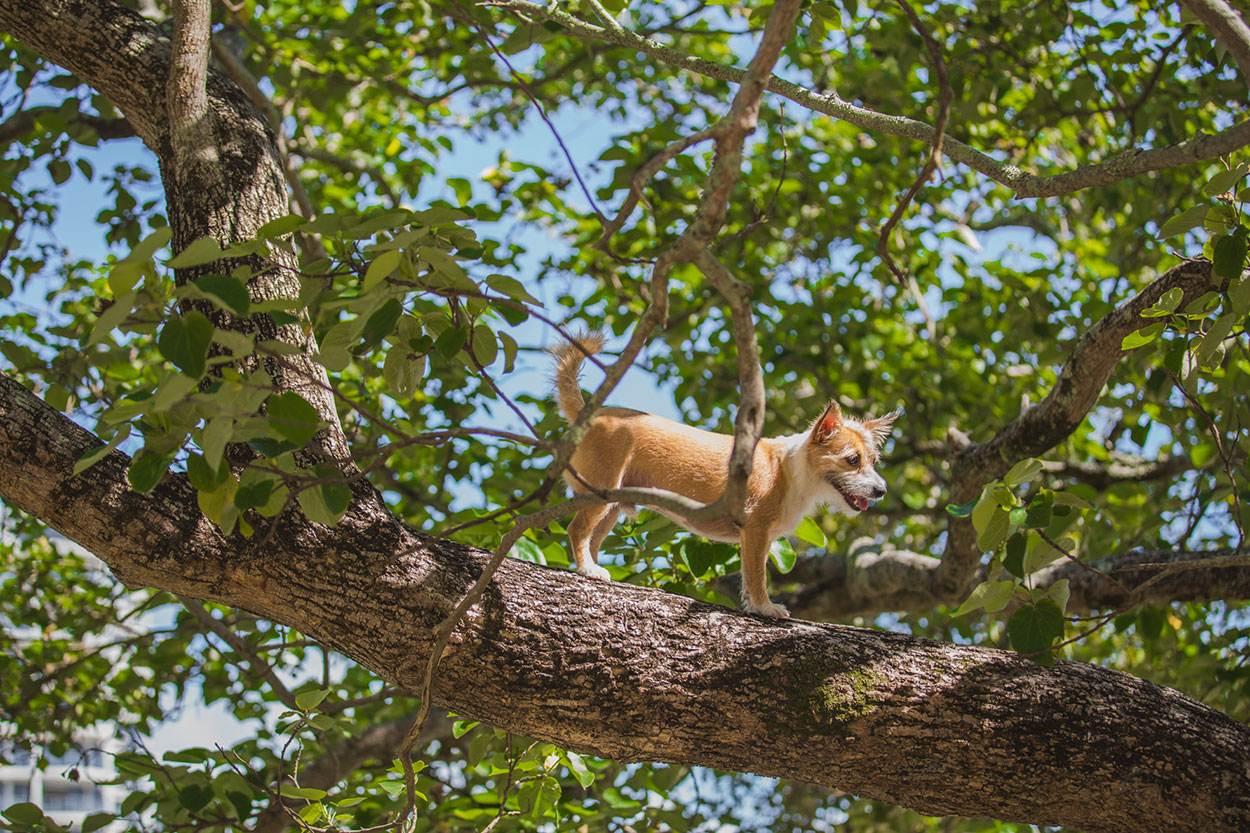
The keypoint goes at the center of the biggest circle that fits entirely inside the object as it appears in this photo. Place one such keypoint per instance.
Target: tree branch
(637, 674)
(1129, 163)
(1049, 423)
(1229, 28)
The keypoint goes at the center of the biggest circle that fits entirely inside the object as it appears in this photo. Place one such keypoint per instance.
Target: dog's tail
(569, 358)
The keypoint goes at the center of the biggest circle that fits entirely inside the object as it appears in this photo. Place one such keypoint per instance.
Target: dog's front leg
(755, 543)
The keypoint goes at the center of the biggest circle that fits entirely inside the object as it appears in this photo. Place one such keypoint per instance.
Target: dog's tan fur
(830, 464)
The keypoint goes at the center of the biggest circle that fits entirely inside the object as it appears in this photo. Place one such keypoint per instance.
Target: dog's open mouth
(859, 503)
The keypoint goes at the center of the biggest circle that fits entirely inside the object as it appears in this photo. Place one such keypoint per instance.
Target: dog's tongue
(860, 503)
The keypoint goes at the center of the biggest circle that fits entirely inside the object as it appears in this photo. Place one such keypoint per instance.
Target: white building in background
(54, 789)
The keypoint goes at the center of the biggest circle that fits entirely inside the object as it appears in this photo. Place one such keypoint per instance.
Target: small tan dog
(829, 464)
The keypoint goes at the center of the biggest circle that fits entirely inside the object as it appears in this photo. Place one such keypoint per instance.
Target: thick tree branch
(636, 674)
(1049, 423)
(1229, 28)
(867, 581)
(1091, 591)
(1129, 163)
(1103, 475)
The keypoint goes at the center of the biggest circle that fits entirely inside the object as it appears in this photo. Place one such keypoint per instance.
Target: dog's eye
(853, 461)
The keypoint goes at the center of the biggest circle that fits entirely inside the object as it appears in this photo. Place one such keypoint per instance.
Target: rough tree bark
(640, 675)
(625, 672)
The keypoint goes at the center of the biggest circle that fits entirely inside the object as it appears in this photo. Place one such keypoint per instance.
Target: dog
(830, 464)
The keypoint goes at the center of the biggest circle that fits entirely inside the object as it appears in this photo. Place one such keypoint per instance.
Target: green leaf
(701, 555)
(963, 510)
(403, 371)
(204, 250)
(1166, 305)
(225, 291)
(984, 509)
(381, 324)
(1213, 342)
(147, 469)
(1059, 593)
(808, 530)
(1139, 338)
(1224, 181)
(1229, 254)
(184, 342)
(1239, 295)
(204, 477)
(485, 348)
(510, 349)
(577, 767)
(526, 550)
(1035, 628)
(325, 503)
(1023, 472)
(293, 418)
(995, 532)
(213, 439)
(280, 226)
(218, 505)
(783, 555)
(24, 813)
(1013, 559)
(511, 287)
(307, 793)
(450, 342)
(112, 316)
(95, 455)
(309, 700)
(1069, 499)
(255, 487)
(1040, 510)
(1041, 552)
(381, 268)
(195, 797)
(1185, 221)
(95, 821)
(990, 595)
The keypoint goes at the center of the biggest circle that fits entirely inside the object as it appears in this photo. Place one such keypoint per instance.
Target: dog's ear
(830, 423)
(880, 427)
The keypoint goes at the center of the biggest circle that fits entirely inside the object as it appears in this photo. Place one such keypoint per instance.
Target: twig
(443, 631)
(1225, 457)
(259, 667)
(946, 94)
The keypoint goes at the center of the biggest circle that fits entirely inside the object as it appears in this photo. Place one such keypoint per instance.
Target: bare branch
(260, 669)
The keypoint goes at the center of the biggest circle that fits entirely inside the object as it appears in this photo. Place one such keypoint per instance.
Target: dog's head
(843, 452)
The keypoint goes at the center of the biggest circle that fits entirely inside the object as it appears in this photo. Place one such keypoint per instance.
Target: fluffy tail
(569, 358)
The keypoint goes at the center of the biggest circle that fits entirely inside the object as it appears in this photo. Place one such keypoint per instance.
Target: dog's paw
(771, 610)
(595, 571)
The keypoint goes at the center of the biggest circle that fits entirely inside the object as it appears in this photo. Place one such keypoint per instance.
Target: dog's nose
(877, 492)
